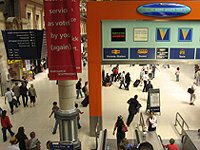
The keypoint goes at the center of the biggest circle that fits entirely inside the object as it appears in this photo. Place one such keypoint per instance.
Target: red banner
(62, 21)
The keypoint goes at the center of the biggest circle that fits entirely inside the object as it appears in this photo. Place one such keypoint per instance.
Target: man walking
(16, 90)
(55, 108)
(9, 96)
(78, 89)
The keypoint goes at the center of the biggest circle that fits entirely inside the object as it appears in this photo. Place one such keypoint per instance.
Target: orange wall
(115, 10)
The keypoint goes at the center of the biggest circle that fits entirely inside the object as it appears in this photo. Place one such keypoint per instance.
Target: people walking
(85, 89)
(23, 92)
(145, 79)
(149, 86)
(79, 112)
(9, 98)
(78, 88)
(55, 108)
(127, 80)
(122, 80)
(177, 73)
(32, 95)
(33, 143)
(21, 138)
(151, 122)
(133, 109)
(120, 134)
(192, 94)
(6, 125)
(16, 90)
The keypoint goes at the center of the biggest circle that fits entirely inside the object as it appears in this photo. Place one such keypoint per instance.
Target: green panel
(151, 25)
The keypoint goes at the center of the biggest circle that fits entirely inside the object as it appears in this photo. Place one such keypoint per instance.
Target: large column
(67, 115)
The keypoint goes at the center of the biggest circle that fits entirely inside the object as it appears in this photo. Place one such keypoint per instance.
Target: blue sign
(181, 53)
(184, 34)
(162, 34)
(142, 53)
(164, 10)
(115, 53)
(198, 53)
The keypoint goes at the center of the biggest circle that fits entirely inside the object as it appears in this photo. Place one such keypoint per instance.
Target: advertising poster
(62, 21)
(140, 34)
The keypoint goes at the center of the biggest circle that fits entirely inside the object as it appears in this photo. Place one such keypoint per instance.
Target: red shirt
(172, 147)
(6, 122)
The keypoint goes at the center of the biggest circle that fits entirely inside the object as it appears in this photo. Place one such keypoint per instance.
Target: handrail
(159, 137)
(182, 123)
(102, 141)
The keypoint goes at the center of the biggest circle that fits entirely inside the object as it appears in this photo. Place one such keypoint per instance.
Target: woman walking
(6, 125)
(120, 133)
(21, 138)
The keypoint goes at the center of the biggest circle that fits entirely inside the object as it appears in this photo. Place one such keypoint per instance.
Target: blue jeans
(78, 91)
(177, 78)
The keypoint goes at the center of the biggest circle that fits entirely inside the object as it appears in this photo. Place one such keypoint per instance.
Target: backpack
(83, 89)
(77, 86)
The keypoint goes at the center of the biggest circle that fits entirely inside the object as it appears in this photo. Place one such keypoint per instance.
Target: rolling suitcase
(85, 101)
(136, 83)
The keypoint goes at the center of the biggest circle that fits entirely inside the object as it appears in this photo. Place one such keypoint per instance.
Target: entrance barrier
(180, 124)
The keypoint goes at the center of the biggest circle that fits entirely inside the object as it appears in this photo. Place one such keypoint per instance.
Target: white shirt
(13, 147)
(145, 77)
(9, 96)
(153, 121)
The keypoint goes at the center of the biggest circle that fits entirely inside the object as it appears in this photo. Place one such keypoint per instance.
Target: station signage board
(61, 146)
(23, 44)
(162, 53)
(182, 53)
(115, 53)
(142, 53)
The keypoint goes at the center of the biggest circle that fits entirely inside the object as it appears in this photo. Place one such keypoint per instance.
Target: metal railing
(181, 122)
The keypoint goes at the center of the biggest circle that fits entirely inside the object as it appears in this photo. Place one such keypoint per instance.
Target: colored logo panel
(162, 53)
(198, 53)
(164, 10)
(115, 53)
(118, 34)
(162, 34)
(142, 53)
(181, 53)
(185, 34)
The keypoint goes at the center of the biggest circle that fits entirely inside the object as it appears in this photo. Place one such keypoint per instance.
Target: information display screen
(154, 99)
(162, 53)
(118, 34)
(23, 44)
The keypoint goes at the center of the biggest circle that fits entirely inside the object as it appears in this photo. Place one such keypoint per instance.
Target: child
(79, 112)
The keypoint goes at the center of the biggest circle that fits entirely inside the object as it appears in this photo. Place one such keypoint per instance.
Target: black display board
(23, 44)
(118, 34)
(162, 53)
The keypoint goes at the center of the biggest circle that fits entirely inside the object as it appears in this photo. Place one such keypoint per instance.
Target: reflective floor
(173, 97)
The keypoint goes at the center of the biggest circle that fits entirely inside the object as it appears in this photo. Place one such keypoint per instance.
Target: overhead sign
(164, 10)
(115, 53)
(62, 22)
(181, 53)
(23, 44)
(61, 146)
(161, 53)
(162, 34)
(118, 34)
(142, 53)
(185, 34)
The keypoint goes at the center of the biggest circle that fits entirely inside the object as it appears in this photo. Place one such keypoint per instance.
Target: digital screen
(23, 44)
(118, 34)
(162, 53)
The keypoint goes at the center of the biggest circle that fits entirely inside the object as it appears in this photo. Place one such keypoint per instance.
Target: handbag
(124, 128)
(190, 90)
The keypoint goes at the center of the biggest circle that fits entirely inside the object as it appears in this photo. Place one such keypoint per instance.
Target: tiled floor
(173, 97)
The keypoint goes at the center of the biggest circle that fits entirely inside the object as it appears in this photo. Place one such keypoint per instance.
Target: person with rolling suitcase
(136, 83)
(85, 101)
